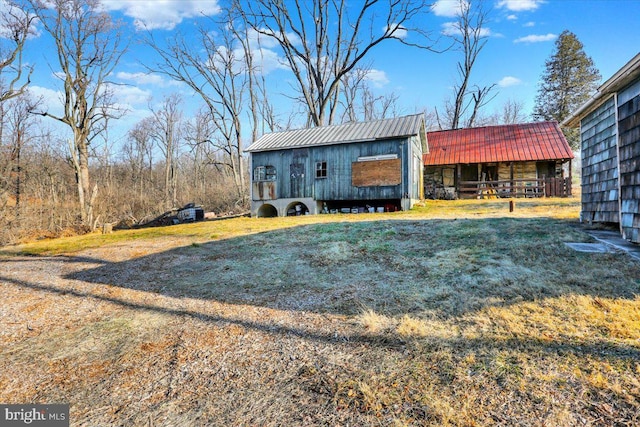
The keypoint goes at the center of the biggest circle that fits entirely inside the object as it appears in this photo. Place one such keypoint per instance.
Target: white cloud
(378, 78)
(51, 99)
(267, 61)
(400, 32)
(257, 40)
(453, 29)
(520, 5)
(449, 8)
(162, 14)
(141, 78)
(512, 17)
(130, 95)
(46, 93)
(529, 24)
(536, 38)
(509, 81)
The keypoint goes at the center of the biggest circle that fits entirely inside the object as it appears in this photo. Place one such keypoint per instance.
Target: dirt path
(123, 356)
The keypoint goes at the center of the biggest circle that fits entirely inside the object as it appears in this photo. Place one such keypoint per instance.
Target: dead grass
(456, 313)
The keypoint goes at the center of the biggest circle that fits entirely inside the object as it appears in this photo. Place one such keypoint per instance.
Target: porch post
(513, 194)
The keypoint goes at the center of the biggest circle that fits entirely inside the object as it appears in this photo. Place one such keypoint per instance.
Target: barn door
(297, 174)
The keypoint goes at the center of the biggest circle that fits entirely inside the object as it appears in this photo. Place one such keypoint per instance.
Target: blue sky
(521, 37)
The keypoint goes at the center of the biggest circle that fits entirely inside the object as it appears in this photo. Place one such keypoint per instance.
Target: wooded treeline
(54, 181)
(61, 171)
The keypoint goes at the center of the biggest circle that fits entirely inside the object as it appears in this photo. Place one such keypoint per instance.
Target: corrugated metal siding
(600, 164)
(337, 185)
(340, 134)
(629, 148)
(506, 143)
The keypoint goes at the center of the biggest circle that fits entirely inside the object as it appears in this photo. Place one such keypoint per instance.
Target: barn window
(264, 173)
(321, 169)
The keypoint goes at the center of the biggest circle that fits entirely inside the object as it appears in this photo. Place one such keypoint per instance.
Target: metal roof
(340, 134)
(505, 143)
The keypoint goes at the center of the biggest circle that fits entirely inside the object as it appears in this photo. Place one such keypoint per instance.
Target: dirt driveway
(125, 356)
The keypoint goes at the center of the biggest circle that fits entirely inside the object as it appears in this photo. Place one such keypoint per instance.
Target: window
(321, 169)
(264, 173)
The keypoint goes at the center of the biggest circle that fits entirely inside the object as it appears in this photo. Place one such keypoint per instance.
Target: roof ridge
(494, 126)
(344, 124)
(392, 127)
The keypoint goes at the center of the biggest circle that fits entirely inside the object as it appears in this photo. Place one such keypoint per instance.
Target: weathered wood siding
(296, 171)
(600, 164)
(629, 149)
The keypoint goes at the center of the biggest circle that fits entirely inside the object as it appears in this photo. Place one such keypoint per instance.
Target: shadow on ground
(438, 267)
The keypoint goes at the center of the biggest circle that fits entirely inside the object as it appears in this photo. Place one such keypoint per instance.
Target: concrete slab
(599, 248)
(615, 240)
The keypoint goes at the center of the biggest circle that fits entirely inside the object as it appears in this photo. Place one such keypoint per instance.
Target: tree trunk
(86, 196)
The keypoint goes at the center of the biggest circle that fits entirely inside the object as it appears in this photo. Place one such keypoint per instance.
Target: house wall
(296, 173)
(629, 152)
(600, 164)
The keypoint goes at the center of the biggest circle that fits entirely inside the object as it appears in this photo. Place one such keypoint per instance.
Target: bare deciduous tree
(220, 69)
(21, 125)
(16, 21)
(321, 41)
(138, 154)
(469, 36)
(167, 133)
(512, 113)
(89, 47)
(360, 103)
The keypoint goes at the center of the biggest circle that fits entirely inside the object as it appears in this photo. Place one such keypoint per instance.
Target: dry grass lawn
(457, 313)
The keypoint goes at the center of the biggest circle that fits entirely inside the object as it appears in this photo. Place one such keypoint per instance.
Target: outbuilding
(516, 160)
(354, 167)
(610, 144)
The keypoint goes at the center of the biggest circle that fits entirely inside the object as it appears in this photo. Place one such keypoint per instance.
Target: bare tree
(469, 36)
(89, 47)
(21, 131)
(167, 133)
(513, 112)
(138, 153)
(220, 69)
(360, 103)
(322, 41)
(198, 133)
(16, 21)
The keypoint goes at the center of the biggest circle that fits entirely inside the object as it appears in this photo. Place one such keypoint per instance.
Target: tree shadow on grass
(463, 346)
(444, 268)
(434, 269)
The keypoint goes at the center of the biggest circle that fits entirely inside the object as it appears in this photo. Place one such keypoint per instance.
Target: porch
(515, 188)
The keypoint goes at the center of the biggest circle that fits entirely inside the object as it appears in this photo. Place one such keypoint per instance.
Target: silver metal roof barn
(340, 134)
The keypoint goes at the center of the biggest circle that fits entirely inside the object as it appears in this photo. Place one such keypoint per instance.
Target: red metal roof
(505, 143)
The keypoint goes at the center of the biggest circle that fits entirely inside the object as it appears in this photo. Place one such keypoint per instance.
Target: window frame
(321, 170)
(264, 173)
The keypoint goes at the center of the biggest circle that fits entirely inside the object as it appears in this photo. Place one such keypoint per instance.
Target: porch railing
(543, 187)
